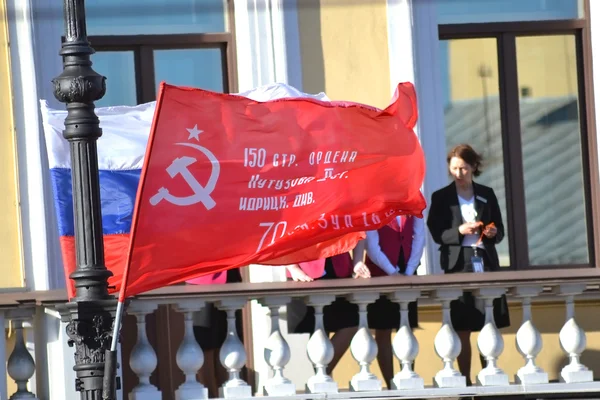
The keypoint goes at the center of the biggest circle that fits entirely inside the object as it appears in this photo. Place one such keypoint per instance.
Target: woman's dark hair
(469, 155)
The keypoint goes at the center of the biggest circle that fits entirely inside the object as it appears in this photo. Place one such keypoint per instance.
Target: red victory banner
(228, 181)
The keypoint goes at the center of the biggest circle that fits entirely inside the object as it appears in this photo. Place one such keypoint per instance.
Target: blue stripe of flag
(117, 193)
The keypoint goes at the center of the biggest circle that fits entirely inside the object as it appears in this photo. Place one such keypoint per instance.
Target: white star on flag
(194, 132)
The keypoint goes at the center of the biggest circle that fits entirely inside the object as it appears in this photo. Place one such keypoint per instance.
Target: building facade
(10, 219)
(513, 78)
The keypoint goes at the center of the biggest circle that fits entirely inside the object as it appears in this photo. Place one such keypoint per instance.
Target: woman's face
(461, 171)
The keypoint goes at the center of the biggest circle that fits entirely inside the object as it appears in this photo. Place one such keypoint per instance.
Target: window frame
(506, 33)
(143, 47)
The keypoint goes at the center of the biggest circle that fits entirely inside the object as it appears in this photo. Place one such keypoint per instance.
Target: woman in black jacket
(465, 220)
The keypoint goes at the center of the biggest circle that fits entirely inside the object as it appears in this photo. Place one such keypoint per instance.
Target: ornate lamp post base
(89, 327)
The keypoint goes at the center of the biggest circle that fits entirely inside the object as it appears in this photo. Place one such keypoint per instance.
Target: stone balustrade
(525, 288)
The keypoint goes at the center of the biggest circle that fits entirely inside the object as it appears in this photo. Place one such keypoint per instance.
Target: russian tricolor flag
(120, 157)
(121, 150)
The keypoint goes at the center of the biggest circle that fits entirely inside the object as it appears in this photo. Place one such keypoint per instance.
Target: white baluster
(20, 366)
(529, 341)
(3, 372)
(447, 344)
(190, 357)
(232, 353)
(143, 359)
(490, 341)
(405, 344)
(572, 338)
(277, 351)
(320, 349)
(363, 346)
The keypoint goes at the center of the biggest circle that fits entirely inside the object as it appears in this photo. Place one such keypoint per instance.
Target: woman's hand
(490, 231)
(469, 228)
(297, 274)
(361, 271)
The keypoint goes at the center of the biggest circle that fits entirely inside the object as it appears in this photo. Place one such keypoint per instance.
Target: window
(517, 92)
(551, 141)
(140, 43)
(135, 65)
(472, 112)
(119, 69)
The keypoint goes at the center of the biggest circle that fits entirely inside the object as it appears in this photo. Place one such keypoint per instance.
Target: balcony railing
(525, 287)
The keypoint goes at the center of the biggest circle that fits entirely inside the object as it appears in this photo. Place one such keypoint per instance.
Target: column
(363, 346)
(405, 344)
(20, 365)
(233, 354)
(529, 341)
(572, 338)
(277, 351)
(143, 359)
(320, 349)
(447, 343)
(490, 341)
(190, 357)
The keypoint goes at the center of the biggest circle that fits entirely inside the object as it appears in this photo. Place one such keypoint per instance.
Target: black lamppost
(90, 314)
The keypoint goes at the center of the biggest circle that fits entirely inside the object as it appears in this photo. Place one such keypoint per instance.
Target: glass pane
(119, 69)
(474, 11)
(200, 68)
(552, 155)
(469, 70)
(155, 17)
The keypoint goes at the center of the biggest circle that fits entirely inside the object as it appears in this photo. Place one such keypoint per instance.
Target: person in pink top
(210, 330)
(341, 316)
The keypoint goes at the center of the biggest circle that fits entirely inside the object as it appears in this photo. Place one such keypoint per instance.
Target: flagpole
(110, 366)
(90, 314)
(117, 328)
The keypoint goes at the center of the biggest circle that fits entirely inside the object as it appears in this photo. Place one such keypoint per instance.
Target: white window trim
(413, 48)
(268, 51)
(267, 43)
(34, 46)
(31, 42)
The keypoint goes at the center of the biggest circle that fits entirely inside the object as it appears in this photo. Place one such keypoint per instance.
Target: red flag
(228, 181)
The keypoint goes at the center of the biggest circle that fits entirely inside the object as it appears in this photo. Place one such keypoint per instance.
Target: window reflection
(201, 68)
(478, 11)
(146, 17)
(119, 69)
(552, 153)
(155, 17)
(472, 111)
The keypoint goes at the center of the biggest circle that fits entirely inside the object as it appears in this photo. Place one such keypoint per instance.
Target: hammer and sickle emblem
(179, 166)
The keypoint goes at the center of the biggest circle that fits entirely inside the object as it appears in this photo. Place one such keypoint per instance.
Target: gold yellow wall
(548, 318)
(545, 64)
(10, 243)
(344, 49)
